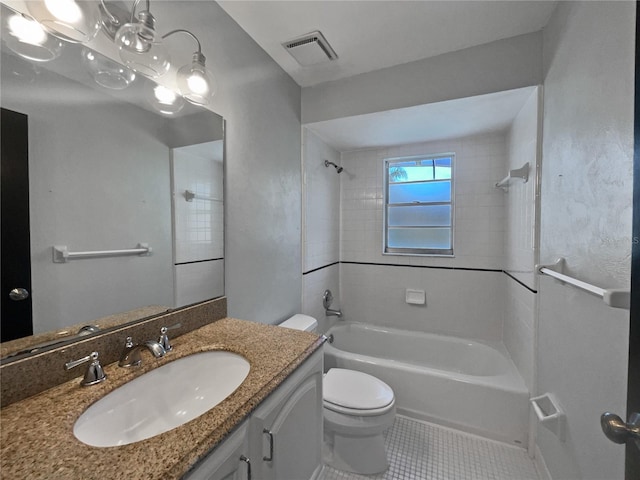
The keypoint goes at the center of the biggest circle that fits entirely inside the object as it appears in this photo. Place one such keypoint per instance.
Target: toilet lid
(357, 390)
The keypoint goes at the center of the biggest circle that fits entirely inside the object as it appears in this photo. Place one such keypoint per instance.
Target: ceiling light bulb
(26, 30)
(76, 21)
(27, 38)
(64, 10)
(165, 95)
(165, 100)
(141, 48)
(195, 82)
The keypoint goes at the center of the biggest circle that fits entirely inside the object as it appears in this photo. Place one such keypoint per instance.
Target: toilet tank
(301, 322)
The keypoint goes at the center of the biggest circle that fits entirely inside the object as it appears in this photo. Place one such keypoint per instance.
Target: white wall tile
(458, 302)
(314, 285)
(521, 248)
(196, 282)
(198, 224)
(519, 328)
(321, 210)
(479, 217)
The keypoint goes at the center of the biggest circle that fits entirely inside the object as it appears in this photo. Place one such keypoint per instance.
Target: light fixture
(140, 46)
(106, 72)
(76, 21)
(195, 82)
(164, 100)
(26, 37)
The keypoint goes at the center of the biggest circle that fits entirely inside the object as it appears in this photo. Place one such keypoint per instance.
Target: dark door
(617, 429)
(633, 390)
(16, 320)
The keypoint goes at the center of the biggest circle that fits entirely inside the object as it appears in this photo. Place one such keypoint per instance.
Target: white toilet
(358, 409)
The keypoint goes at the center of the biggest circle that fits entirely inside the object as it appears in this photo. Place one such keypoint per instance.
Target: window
(419, 205)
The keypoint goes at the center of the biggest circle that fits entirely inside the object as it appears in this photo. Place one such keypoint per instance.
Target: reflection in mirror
(103, 170)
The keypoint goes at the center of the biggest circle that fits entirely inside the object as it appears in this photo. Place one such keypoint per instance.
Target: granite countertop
(37, 440)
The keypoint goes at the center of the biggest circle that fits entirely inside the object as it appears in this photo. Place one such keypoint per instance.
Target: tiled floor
(424, 451)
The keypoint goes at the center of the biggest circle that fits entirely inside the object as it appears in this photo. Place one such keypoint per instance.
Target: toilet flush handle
(270, 457)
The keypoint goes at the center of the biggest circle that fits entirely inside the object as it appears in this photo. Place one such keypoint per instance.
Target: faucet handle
(129, 357)
(94, 374)
(164, 338)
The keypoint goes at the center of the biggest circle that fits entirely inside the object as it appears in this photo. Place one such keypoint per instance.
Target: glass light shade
(195, 82)
(106, 72)
(76, 21)
(26, 37)
(142, 49)
(164, 100)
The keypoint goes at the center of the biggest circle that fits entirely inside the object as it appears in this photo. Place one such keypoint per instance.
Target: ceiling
(423, 123)
(370, 35)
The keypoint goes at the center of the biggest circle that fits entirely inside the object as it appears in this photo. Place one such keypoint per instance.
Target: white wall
(261, 106)
(321, 236)
(586, 218)
(493, 67)
(375, 293)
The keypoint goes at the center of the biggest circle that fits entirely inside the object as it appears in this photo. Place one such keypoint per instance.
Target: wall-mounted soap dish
(550, 414)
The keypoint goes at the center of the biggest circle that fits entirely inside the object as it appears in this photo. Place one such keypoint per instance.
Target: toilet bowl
(357, 409)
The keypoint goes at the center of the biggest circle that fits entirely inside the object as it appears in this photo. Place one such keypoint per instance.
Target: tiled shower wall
(321, 227)
(521, 241)
(198, 224)
(479, 219)
(464, 293)
(467, 295)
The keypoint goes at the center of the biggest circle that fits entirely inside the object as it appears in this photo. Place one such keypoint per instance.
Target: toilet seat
(356, 393)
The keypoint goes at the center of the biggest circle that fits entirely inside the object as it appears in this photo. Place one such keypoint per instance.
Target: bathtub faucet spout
(327, 299)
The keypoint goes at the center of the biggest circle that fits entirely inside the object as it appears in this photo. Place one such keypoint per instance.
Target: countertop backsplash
(30, 376)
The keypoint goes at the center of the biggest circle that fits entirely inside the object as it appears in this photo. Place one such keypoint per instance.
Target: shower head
(338, 169)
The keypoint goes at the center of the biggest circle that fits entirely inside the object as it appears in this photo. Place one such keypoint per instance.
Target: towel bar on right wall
(614, 297)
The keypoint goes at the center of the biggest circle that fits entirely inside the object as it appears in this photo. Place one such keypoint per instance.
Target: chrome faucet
(164, 338)
(131, 354)
(94, 373)
(327, 299)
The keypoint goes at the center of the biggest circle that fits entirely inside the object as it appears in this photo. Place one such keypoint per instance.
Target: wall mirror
(115, 171)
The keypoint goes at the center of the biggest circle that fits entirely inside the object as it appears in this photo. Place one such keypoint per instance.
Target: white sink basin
(162, 399)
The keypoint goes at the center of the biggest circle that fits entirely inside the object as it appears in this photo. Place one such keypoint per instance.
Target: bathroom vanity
(282, 439)
(270, 427)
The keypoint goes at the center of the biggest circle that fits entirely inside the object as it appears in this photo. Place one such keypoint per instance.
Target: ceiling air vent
(310, 49)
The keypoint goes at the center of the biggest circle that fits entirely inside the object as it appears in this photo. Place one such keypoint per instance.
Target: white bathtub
(466, 384)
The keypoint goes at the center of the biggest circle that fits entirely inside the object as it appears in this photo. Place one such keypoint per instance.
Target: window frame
(423, 252)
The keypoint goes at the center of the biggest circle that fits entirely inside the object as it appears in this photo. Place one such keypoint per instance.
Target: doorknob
(619, 432)
(18, 294)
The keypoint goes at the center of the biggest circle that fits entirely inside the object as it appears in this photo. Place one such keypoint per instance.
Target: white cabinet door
(229, 461)
(286, 429)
